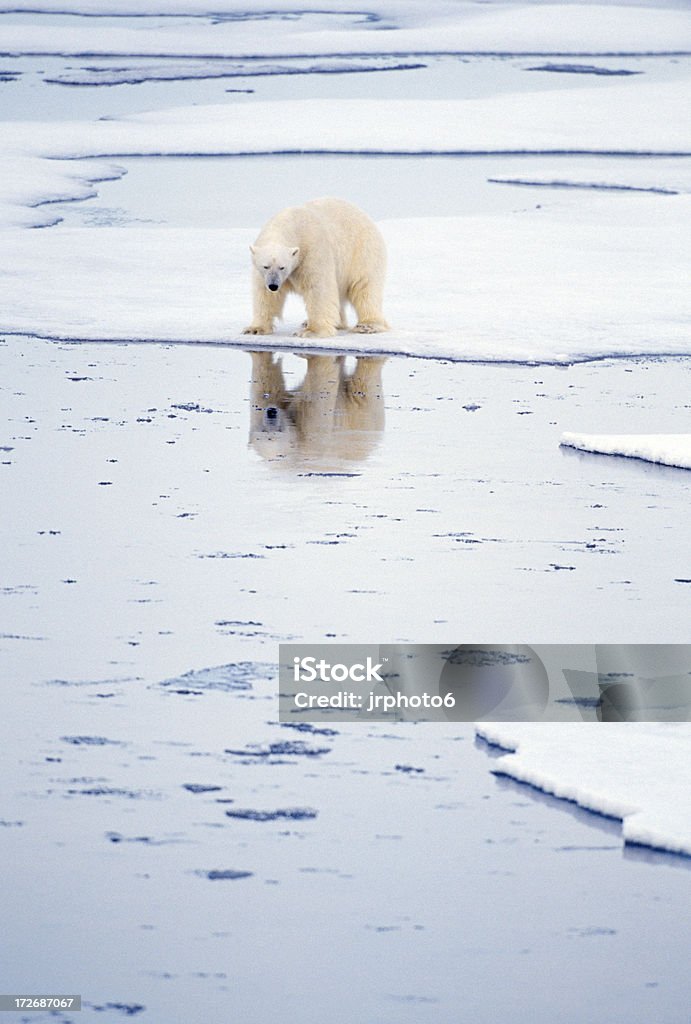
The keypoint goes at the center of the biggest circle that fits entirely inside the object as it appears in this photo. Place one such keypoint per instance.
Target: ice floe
(667, 449)
(616, 285)
(638, 772)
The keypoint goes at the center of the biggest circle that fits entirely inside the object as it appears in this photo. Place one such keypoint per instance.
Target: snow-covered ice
(668, 449)
(617, 285)
(640, 773)
(419, 28)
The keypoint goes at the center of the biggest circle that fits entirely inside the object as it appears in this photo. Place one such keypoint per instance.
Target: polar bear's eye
(281, 268)
(266, 266)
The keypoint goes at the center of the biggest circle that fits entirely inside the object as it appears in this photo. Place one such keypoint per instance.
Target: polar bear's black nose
(272, 413)
(273, 287)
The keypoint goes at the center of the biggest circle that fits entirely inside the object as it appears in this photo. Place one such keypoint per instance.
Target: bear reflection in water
(335, 415)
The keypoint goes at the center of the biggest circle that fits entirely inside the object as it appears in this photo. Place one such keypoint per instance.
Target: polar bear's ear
(252, 250)
(295, 251)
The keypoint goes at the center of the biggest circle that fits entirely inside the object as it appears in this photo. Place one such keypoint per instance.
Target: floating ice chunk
(638, 772)
(667, 449)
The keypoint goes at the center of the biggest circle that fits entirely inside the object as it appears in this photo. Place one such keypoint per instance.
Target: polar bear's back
(349, 231)
(355, 239)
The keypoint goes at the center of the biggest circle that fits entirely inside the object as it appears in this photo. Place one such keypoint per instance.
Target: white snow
(29, 185)
(638, 772)
(611, 119)
(578, 29)
(615, 119)
(668, 449)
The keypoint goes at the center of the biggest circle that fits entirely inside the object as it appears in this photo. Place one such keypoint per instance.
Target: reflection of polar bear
(333, 413)
(330, 253)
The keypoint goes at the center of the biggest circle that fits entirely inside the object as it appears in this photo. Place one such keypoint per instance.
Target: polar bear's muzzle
(273, 282)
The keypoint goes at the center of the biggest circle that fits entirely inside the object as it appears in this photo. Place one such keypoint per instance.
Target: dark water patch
(237, 622)
(458, 538)
(128, 794)
(191, 407)
(127, 1009)
(19, 636)
(596, 186)
(91, 741)
(92, 682)
(583, 69)
(352, 17)
(282, 814)
(308, 727)
(314, 473)
(231, 554)
(323, 69)
(117, 837)
(246, 629)
(10, 824)
(408, 769)
(199, 787)
(481, 658)
(223, 874)
(236, 677)
(288, 748)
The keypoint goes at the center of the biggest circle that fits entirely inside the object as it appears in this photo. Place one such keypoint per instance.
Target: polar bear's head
(274, 263)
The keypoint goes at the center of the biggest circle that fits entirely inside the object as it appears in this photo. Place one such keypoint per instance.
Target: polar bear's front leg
(267, 307)
(320, 292)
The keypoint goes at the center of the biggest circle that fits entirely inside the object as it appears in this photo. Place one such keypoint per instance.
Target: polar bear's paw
(319, 331)
(253, 329)
(370, 327)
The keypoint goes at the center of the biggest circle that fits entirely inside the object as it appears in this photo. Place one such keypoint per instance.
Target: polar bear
(329, 252)
(334, 414)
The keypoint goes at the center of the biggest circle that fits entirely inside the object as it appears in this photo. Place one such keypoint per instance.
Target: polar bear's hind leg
(367, 299)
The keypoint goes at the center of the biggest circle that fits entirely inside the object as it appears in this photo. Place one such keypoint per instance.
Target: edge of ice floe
(672, 450)
(637, 828)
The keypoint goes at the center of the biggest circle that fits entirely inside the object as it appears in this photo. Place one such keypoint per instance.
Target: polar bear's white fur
(330, 253)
